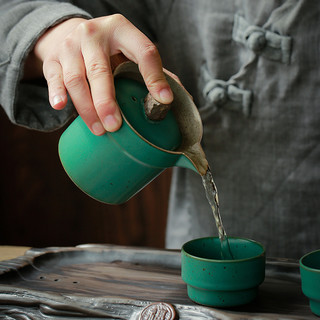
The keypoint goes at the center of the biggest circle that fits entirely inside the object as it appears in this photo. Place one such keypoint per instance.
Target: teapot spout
(194, 158)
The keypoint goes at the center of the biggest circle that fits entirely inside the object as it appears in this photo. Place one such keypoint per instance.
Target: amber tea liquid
(212, 196)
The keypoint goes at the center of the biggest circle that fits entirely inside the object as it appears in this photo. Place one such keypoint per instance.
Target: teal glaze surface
(113, 167)
(130, 96)
(222, 283)
(310, 279)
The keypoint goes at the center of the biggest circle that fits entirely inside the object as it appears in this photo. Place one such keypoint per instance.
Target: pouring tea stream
(115, 166)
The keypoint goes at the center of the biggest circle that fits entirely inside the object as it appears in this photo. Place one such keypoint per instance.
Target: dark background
(40, 206)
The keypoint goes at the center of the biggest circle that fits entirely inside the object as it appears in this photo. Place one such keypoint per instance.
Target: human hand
(78, 57)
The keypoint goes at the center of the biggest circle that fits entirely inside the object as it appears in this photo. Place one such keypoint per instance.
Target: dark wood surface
(41, 207)
(114, 282)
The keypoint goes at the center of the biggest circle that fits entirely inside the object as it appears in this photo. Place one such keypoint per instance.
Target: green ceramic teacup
(222, 283)
(310, 279)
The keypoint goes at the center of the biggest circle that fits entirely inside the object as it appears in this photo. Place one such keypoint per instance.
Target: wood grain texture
(114, 282)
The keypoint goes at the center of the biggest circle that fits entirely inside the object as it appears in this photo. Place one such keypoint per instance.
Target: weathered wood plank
(114, 282)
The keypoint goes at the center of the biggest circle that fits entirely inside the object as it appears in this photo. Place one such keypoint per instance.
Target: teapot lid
(130, 95)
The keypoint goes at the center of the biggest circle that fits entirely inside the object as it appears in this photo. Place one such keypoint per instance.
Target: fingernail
(111, 123)
(56, 100)
(166, 96)
(98, 129)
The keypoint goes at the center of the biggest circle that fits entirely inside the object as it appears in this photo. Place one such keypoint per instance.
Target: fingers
(82, 65)
(57, 93)
(100, 77)
(69, 74)
(82, 68)
(151, 69)
(138, 48)
(75, 80)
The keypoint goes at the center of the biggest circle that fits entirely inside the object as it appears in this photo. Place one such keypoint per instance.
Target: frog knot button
(255, 38)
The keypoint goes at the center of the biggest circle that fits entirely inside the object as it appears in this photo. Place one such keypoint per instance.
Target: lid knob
(155, 110)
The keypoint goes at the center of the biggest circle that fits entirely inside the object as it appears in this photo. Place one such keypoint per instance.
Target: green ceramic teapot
(113, 167)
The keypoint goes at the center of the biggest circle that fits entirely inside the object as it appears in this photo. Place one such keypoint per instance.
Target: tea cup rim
(302, 265)
(225, 260)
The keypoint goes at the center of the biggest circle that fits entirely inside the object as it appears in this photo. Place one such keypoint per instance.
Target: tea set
(114, 167)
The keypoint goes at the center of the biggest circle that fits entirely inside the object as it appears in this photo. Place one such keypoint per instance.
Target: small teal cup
(310, 279)
(214, 282)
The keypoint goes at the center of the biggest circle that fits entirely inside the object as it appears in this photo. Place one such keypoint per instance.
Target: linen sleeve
(21, 24)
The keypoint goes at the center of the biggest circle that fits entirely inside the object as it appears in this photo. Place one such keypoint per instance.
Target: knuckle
(85, 111)
(53, 78)
(88, 27)
(106, 105)
(96, 69)
(52, 75)
(154, 82)
(67, 44)
(148, 51)
(72, 80)
(50, 70)
(117, 19)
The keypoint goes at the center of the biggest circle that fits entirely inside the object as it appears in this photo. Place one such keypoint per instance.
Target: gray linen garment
(253, 70)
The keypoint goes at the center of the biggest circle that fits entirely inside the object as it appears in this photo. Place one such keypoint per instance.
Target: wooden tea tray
(114, 282)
